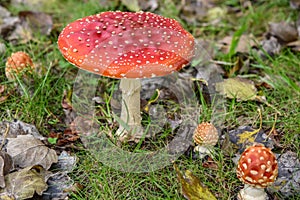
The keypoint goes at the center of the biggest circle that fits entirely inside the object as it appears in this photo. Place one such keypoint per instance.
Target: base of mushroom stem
(252, 193)
(204, 151)
(135, 134)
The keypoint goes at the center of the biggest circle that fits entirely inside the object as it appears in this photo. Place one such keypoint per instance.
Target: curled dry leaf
(26, 151)
(6, 164)
(25, 182)
(192, 188)
(241, 89)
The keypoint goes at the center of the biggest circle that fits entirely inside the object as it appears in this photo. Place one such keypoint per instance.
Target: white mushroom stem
(130, 123)
(204, 150)
(252, 193)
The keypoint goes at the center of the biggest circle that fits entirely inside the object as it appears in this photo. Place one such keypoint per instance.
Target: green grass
(43, 107)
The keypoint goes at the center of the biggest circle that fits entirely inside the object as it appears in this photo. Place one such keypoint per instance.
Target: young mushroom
(205, 136)
(19, 63)
(258, 169)
(127, 46)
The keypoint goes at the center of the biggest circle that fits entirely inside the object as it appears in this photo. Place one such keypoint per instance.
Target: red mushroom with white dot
(19, 63)
(258, 169)
(205, 136)
(127, 46)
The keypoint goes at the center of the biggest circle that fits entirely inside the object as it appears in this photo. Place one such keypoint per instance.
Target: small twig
(273, 126)
(260, 118)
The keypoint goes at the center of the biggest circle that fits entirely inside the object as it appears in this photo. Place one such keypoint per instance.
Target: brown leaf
(284, 31)
(3, 96)
(25, 182)
(210, 163)
(192, 188)
(244, 44)
(26, 151)
(17, 127)
(38, 22)
(295, 45)
(6, 164)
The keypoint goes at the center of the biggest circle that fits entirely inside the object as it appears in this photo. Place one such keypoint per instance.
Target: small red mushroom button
(258, 169)
(206, 134)
(18, 63)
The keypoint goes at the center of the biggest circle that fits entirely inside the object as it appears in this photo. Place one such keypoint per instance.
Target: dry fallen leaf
(6, 196)
(192, 188)
(17, 127)
(6, 164)
(3, 93)
(38, 22)
(58, 186)
(295, 45)
(26, 151)
(241, 89)
(25, 182)
(244, 44)
(245, 136)
(284, 31)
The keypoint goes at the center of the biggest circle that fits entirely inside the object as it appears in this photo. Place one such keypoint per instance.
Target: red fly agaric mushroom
(128, 46)
(258, 169)
(205, 136)
(17, 64)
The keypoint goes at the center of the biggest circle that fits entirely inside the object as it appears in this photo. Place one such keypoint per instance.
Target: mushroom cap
(18, 63)
(257, 166)
(126, 44)
(206, 134)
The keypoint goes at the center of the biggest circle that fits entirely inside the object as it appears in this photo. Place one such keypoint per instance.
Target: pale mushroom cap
(206, 134)
(257, 166)
(126, 44)
(17, 63)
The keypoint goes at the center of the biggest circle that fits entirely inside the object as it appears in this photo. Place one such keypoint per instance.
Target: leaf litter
(28, 167)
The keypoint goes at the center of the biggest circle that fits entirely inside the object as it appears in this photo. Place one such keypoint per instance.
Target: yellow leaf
(192, 188)
(241, 89)
(132, 5)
